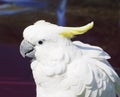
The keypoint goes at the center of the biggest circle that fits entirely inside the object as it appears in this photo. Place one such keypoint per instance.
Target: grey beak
(27, 49)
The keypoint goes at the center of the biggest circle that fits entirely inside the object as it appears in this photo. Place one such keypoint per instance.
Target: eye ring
(40, 42)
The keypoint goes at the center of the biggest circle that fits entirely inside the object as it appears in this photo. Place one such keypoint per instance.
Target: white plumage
(62, 68)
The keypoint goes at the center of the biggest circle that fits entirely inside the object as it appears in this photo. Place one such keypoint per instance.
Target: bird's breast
(47, 75)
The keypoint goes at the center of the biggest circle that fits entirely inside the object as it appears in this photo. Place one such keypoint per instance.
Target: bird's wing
(101, 75)
(98, 57)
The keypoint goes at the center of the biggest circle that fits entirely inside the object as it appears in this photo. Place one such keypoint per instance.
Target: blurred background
(15, 15)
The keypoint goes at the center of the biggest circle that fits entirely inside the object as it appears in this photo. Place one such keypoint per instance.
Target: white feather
(62, 68)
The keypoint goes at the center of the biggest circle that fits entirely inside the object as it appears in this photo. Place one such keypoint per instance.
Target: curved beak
(27, 49)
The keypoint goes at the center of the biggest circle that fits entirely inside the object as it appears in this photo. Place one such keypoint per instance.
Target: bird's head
(43, 37)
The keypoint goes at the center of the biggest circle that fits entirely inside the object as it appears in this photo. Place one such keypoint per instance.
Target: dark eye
(40, 42)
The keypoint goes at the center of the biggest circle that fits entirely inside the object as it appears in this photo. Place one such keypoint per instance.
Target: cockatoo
(62, 68)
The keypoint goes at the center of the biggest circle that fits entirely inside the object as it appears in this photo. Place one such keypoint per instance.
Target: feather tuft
(70, 32)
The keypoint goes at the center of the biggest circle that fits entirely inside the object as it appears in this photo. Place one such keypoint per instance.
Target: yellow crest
(70, 32)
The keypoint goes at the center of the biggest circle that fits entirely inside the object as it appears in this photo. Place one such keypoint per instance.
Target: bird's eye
(40, 42)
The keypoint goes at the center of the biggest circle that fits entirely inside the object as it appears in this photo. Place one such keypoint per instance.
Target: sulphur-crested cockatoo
(62, 68)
